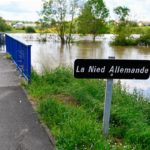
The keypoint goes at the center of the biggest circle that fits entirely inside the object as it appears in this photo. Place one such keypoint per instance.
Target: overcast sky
(27, 9)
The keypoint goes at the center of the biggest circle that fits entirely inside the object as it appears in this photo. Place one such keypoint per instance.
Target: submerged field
(73, 111)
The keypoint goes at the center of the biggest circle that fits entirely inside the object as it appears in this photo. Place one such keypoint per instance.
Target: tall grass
(73, 110)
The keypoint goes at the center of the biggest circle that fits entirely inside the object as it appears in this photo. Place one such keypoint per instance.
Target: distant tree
(4, 26)
(123, 29)
(92, 18)
(73, 8)
(122, 12)
(55, 12)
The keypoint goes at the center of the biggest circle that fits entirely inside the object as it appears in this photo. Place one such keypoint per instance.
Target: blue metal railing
(21, 55)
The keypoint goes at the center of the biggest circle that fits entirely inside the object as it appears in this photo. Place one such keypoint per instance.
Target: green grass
(73, 110)
(16, 31)
(8, 56)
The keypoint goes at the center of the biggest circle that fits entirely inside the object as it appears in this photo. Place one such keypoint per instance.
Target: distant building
(29, 24)
(18, 25)
(21, 25)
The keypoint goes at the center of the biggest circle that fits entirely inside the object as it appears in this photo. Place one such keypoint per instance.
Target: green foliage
(55, 10)
(124, 37)
(54, 13)
(144, 39)
(4, 26)
(140, 30)
(73, 128)
(73, 110)
(122, 40)
(92, 18)
(123, 34)
(99, 9)
(8, 56)
(122, 12)
(30, 30)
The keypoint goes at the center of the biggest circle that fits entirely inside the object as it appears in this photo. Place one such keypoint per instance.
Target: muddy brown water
(51, 54)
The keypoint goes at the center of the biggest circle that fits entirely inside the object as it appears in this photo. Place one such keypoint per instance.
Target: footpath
(19, 126)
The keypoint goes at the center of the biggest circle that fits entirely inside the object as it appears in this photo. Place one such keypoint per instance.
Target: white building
(18, 25)
(21, 25)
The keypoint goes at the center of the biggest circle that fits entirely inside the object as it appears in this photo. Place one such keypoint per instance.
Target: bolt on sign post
(111, 69)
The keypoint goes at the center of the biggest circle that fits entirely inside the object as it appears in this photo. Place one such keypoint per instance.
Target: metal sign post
(111, 69)
(107, 105)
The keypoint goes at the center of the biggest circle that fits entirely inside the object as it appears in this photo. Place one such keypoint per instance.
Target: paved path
(19, 126)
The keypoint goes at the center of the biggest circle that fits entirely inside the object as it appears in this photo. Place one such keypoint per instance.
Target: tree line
(67, 17)
(73, 16)
(3, 25)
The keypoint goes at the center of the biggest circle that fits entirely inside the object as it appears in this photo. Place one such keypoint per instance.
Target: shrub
(4, 26)
(144, 39)
(30, 30)
(122, 40)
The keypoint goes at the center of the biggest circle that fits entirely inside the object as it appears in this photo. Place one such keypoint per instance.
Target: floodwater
(52, 54)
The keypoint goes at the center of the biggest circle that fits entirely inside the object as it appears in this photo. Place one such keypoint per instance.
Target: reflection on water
(51, 54)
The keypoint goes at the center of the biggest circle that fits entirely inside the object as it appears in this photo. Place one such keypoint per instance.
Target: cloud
(27, 9)
(139, 9)
(20, 9)
(13, 6)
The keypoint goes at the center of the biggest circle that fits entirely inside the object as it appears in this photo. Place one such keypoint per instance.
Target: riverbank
(73, 109)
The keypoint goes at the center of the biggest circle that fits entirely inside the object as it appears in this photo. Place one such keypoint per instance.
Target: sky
(27, 10)
(140, 9)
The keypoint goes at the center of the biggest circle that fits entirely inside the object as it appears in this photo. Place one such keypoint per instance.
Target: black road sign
(111, 69)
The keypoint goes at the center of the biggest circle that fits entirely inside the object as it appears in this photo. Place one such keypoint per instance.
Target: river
(51, 54)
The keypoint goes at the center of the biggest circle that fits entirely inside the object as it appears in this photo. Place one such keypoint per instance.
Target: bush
(122, 40)
(144, 39)
(30, 30)
(4, 26)
(124, 37)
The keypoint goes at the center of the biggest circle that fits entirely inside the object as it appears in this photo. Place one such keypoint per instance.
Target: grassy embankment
(73, 109)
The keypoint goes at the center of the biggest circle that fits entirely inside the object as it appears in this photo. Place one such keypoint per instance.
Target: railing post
(29, 61)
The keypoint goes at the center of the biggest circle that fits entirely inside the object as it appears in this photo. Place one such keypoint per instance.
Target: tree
(123, 28)
(122, 12)
(3, 25)
(74, 6)
(92, 18)
(57, 11)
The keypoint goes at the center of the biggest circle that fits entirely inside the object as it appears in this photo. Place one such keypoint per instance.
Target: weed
(78, 125)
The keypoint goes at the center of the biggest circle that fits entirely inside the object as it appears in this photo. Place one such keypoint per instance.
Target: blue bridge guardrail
(21, 55)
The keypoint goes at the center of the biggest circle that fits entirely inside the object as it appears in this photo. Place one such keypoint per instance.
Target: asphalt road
(19, 125)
